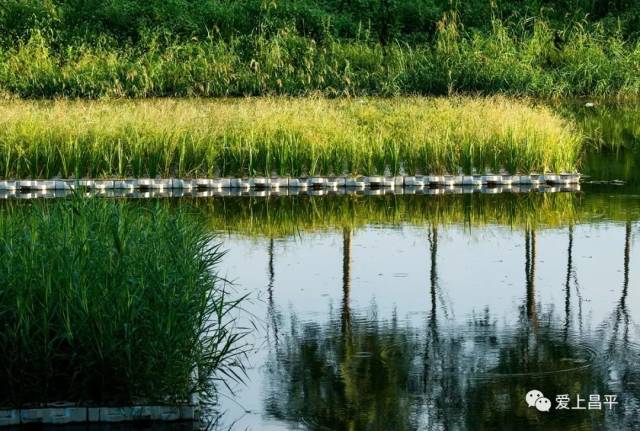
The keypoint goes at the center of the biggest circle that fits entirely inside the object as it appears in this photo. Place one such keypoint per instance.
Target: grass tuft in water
(105, 302)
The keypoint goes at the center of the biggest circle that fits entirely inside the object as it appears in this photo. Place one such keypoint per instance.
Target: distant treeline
(382, 20)
(135, 48)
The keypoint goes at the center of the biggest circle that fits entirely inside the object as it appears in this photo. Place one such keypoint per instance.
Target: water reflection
(418, 353)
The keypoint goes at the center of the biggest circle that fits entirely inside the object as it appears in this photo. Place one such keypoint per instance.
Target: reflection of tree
(346, 281)
(530, 275)
(271, 309)
(351, 374)
(358, 372)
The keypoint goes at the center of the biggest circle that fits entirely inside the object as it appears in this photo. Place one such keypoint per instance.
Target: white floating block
(161, 184)
(240, 183)
(317, 181)
(125, 184)
(93, 414)
(331, 183)
(491, 179)
(506, 180)
(9, 417)
(103, 184)
(89, 184)
(294, 183)
(410, 181)
(471, 180)
(225, 183)
(215, 185)
(448, 180)
(65, 415)
(374, 181)
(259, 182)
(358, 183)
(202, 183)
(458, 180)
(389, 182)
(551, 178)
(25, 184)
(115, 414)
(32, 416)
(8, 185)
(278, 182)
(145, 183)
(434, 180)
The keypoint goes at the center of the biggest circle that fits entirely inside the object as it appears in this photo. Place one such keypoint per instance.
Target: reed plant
(530, 56)
(103, 302)
(283, 136)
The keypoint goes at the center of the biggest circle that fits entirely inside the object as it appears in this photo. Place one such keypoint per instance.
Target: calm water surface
(443, 325)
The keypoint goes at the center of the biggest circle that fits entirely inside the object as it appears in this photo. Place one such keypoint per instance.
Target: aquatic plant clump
(104, 302)
(277, 136)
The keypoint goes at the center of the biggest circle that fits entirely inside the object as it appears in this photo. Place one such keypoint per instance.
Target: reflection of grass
(288, 215)
(355, 379)
(105, 302)
(284, 136)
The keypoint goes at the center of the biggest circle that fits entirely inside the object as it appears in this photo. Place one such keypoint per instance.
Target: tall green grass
(105, 302)
(526, 57)
(238, 137)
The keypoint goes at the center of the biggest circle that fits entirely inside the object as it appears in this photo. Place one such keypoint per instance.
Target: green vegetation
(237, 137)
(105, 302)
(133, 48)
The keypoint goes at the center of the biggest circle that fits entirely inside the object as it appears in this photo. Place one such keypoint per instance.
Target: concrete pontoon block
(145, 183)
(491, 179)
(9, 417)
(125, 184)
(259, 182)
(448, 180)
(355, 182)
(279, 182)
(240, 183)
(8, 185)
(374, 181)
(317, 182)
(65, 415)
(115, 414)
(506, 179)
(389, 182)
(161, 184)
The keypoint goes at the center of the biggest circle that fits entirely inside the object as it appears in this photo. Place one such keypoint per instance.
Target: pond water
(444, 321)
(441, 312)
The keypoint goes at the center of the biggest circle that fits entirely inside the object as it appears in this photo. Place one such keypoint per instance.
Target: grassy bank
(528, 57)
(105, 302)
(238, 137)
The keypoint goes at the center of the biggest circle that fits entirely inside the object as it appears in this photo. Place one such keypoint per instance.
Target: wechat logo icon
(535, 398)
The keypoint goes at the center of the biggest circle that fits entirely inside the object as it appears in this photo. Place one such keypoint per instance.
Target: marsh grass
(530, 56)
(284, 136)
(105, 302)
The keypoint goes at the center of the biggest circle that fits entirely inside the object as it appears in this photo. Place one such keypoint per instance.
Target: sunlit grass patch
(282, 136)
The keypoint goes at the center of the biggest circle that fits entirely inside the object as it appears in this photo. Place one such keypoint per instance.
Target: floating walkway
(261, 186)
(72, 414)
